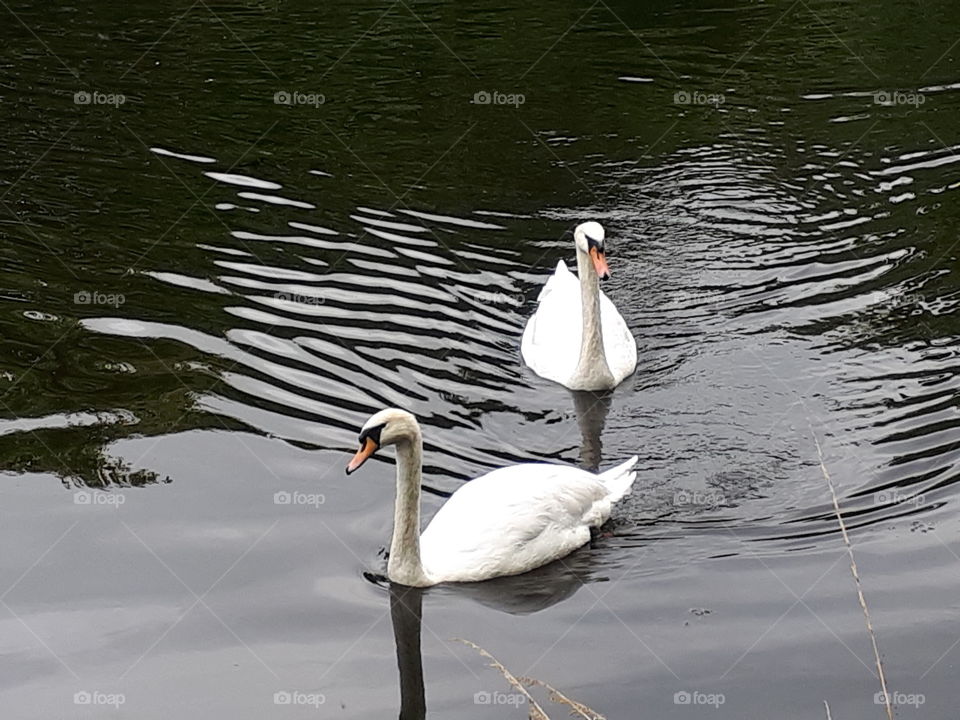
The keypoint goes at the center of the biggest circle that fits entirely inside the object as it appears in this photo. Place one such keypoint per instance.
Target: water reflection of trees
(78, 456)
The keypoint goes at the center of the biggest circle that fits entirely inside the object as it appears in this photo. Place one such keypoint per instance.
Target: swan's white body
(518, 518)
(553, 337)
(506, 522)
(576, 337)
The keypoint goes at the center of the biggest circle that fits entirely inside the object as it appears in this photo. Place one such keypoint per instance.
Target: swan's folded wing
(619, 345)
(511, 520)
(551, 340)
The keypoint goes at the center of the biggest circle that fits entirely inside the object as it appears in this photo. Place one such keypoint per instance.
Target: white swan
(576, 337)
(506, 522)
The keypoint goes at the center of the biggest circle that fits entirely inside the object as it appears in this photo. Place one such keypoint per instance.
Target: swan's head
(387, 427)
(589, 239)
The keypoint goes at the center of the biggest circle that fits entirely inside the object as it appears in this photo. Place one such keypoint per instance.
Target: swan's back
(517, 518)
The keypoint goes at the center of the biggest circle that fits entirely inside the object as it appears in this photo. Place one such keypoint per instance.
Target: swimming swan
(506, 522)
(576, 337)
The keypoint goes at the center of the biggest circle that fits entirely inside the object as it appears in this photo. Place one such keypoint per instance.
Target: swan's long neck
(404, 565)
(592, 371)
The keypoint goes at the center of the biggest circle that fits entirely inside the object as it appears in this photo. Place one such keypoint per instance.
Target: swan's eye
(599, 261)
(595, 244)
(373, 433)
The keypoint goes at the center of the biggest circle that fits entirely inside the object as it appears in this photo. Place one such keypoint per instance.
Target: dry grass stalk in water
(536, 712)
(521, 684)
(856, 579)
(560, 699)
(827, 706)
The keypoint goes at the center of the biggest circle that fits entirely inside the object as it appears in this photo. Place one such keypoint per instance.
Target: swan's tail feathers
(619, 479)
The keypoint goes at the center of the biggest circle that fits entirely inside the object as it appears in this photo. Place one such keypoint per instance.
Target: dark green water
(205, 293)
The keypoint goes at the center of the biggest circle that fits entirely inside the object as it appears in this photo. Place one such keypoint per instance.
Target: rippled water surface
(206, 291)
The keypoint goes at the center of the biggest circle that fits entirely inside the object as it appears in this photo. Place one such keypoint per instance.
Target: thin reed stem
(856, 579)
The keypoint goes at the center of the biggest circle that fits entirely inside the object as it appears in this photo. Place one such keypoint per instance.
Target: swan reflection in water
(592, 409)
(406, 606)
(517, 595)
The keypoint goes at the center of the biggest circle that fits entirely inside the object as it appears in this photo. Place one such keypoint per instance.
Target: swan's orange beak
(367, 448)
(599, 263)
